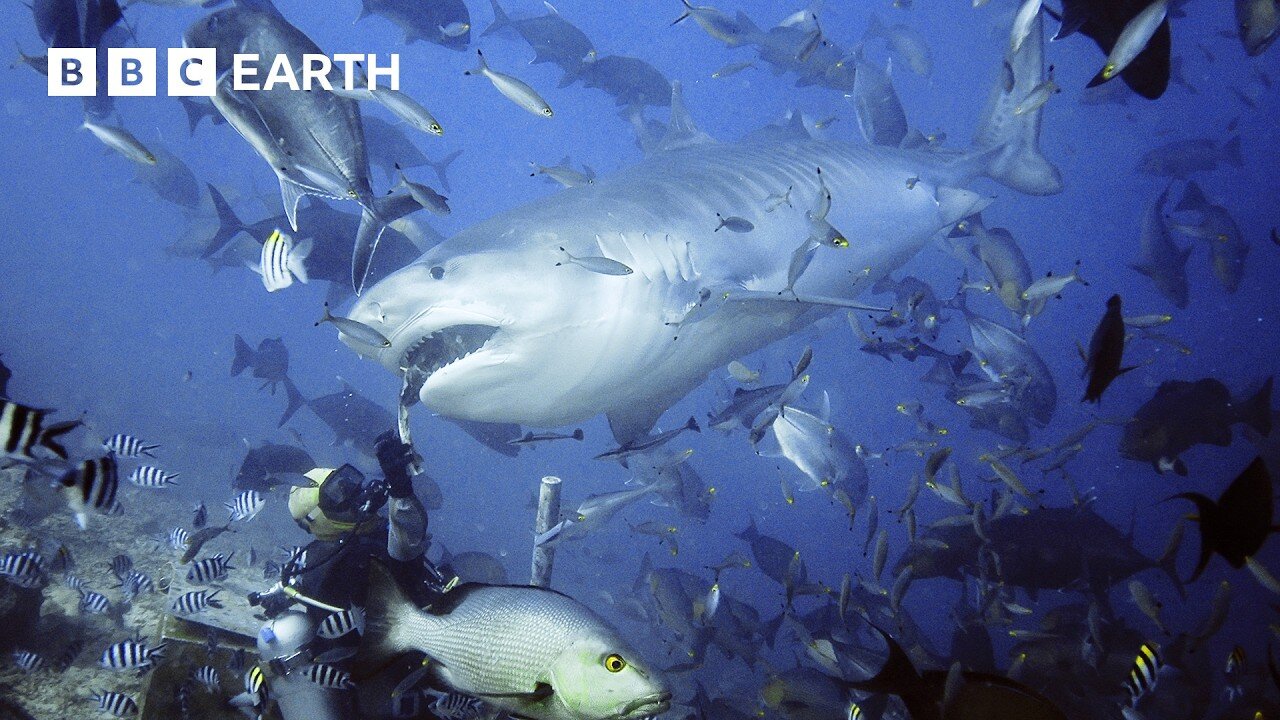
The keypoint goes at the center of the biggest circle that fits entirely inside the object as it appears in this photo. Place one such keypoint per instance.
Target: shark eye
(437, 272)
(614, 663)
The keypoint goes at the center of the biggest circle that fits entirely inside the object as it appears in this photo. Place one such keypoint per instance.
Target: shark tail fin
(243, 358)
(373, 221)
(500, 19)
(295, 401)
(442, 167)
(1007, 143)
(229, 224)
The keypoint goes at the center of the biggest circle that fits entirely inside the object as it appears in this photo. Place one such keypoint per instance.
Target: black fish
(1047, 548)
(1237, 524)
(199, 516)
(552, 39)
(1106, 351)
(270, 465)
(1182, 414)
(270, 363)
(423, 21)
(1103, 21)
(631, 81)
(74, 23)
(978, 694)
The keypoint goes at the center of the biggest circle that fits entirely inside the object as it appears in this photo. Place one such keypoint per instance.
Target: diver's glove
(394, 457)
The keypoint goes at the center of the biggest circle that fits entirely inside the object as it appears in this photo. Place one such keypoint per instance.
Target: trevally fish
(314, 141)
(548, 349)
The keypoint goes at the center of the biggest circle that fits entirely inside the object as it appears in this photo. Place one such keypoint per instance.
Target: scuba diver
(307, 648)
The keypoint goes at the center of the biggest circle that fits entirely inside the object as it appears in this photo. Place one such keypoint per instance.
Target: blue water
(99, 318)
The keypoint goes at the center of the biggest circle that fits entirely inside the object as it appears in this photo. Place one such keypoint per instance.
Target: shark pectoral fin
(634, 420)
(1019, 164)
(956, 204)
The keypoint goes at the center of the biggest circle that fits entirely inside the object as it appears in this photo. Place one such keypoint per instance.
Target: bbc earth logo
(192, 72)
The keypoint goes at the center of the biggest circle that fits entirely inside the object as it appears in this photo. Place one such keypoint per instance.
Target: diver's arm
(407, 518)
(406, 528)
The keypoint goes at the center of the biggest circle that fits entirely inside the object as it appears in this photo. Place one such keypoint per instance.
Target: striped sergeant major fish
(207, 675)
(210, 569)
(92, 486)
(129, 446)
(28, 661)
(195, 601)
(22, 429)
(1145, 673)
(132, 654)
(328, 676)
(117, 704)
(136, 583)
(178, 538)
(246, 505)
(150, 476)
(342, 622)
(456, 706)
(94, 603)
(121, 565)
(24, 569)
(282, 260)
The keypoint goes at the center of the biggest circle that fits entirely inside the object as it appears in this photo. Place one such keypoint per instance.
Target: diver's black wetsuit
(334, 572)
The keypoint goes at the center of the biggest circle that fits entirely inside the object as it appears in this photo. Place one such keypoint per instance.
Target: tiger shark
(494, 325)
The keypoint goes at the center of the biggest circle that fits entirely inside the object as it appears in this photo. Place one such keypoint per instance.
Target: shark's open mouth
(439, 349)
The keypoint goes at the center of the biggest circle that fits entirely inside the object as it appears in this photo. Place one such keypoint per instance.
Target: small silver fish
(454, 29)
(601, 265)
(514, 89)
(354, 329)
(734, 223)
(122, 141)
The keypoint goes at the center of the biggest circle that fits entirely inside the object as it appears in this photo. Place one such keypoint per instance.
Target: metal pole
(548, 516)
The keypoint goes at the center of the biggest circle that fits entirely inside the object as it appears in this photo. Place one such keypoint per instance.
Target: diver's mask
(342, 502)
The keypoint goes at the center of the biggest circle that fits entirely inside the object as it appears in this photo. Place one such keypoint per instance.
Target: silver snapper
(531, 651)
(548, 346)
(314, 141)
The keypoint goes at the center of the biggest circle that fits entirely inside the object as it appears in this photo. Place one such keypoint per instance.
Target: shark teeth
(441, 348)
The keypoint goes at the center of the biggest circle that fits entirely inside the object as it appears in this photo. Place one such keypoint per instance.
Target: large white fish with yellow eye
(528, 650)
(488, 328)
